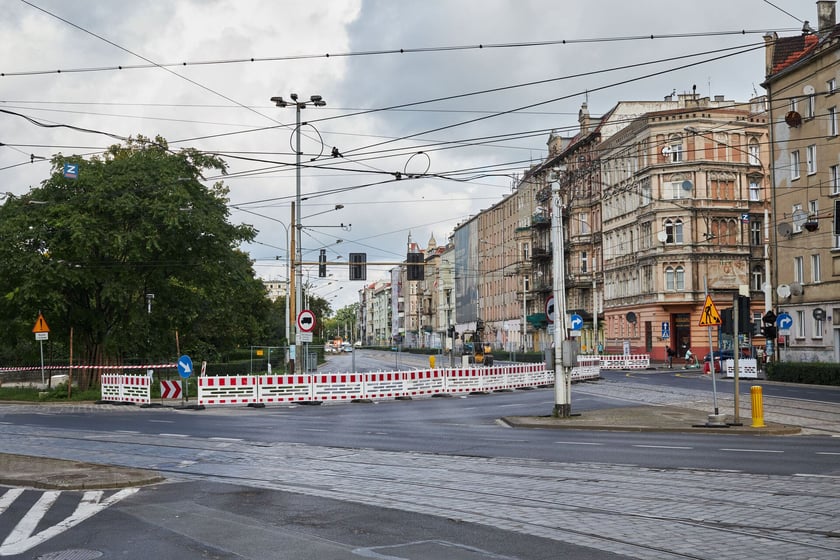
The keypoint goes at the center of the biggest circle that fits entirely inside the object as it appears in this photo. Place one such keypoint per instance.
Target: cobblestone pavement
(657, 514)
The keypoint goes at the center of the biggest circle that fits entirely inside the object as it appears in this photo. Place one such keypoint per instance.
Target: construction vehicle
(478, 351)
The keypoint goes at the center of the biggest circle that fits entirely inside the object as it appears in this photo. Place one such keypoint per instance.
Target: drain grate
(77, 554)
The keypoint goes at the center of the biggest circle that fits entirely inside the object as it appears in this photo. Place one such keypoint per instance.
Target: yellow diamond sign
(710, 315)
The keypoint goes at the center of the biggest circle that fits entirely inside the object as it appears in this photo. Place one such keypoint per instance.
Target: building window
(794, 104)
(677, 190)
(754, 152)
(796, 208)
(676, 148)
(679, 278)
(834, 177)
(800, 324)
(673, 231)
(816, 272)
(798, 269)
(524, 251)
(831, 86)
(755, 190)
(794, 164)
(811, 159)
(755, 233)
(818, 328)
(832, 121)
(812, 105)
(757, 277)
(669, 279)
(813, 207)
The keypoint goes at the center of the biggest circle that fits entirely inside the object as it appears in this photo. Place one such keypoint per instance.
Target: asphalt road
(428, 479)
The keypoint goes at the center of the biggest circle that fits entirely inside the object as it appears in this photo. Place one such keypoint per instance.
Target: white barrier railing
(622, 361)
(589, 367)
(747, 368)
(338, 387)
(117, 387)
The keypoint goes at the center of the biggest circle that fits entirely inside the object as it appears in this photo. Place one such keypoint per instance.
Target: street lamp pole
(317, 101)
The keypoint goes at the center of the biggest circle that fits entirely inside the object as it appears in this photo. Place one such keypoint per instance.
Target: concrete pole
(562, 396)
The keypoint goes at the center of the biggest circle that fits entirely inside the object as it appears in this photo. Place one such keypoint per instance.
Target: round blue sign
(185, 366)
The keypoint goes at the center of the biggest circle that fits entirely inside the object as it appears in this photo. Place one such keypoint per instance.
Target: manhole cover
(77, 554)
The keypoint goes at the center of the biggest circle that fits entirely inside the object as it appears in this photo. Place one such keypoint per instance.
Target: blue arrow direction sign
(577, 322)
(185, 366)
(784, 321)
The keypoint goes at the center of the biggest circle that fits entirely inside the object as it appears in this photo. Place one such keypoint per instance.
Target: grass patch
(55, 394)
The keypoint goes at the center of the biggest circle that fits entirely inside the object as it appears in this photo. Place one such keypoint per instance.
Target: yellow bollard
(431, 362)
(757, 407)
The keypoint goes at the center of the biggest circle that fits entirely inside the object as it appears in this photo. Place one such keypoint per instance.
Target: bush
(815, 373)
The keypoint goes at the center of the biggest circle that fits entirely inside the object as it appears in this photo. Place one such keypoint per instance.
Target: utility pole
(562, 381)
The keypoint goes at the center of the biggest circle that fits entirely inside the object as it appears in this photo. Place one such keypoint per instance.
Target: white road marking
(751, 450)
(664, 446)
(173, 435)
(817, 475)
(23, 536)
(827, 453)
(578, 443)
(232, 439)
(9, 497)
(162, 421)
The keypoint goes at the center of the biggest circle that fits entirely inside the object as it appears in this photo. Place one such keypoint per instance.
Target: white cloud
(154, 101)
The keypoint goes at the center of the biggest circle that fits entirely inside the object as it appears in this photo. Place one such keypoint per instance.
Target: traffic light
(769, 332)
(744, 315)
(727, 325)
(322, 264)
(358, 266)
(415, 266)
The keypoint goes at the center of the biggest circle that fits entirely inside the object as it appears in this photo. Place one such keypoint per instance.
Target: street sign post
(42, 333)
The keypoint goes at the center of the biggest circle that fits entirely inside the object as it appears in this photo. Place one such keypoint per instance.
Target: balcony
(540, 254)
(540, 220)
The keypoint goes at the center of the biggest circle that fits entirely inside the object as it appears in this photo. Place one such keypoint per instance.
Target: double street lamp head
(316, 100)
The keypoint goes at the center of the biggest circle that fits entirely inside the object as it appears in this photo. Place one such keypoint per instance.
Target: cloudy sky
(462, 93)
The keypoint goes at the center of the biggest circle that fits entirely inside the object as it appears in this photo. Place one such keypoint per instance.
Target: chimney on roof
(826, 15)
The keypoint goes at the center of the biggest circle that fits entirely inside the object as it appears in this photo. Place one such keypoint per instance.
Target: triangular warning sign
(40, 325)
(709, 316)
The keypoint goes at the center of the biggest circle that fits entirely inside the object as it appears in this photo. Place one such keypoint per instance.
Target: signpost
(577, 324)
(42, 333)
(185, 370)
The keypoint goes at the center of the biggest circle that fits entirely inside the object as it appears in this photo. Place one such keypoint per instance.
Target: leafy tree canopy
(133, 251)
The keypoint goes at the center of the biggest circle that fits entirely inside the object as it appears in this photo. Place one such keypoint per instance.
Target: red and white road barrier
(345, 387)
(622, 361)
(119, 387)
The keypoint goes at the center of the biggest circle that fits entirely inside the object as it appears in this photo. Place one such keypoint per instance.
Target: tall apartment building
(801, 83)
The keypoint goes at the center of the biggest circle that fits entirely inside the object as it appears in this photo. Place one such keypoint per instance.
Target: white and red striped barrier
(622, 361)
(345, 387)
(119, 387)
(232, 389)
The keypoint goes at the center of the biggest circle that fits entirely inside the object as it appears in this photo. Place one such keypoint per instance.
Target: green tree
(135, 255)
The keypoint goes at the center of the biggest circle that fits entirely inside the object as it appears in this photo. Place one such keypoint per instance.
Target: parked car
(346, 347)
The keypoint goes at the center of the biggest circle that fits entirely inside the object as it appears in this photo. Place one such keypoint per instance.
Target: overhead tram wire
(486, 91)
(380, 52)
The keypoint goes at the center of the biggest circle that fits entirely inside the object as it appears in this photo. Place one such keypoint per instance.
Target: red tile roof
(792, 49)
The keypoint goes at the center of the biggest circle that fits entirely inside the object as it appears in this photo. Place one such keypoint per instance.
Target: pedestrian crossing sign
(710, 315)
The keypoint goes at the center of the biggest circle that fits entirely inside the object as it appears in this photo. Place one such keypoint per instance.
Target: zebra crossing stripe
(23, 536)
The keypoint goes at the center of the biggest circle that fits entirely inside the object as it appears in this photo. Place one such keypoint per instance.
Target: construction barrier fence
(346, 387)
